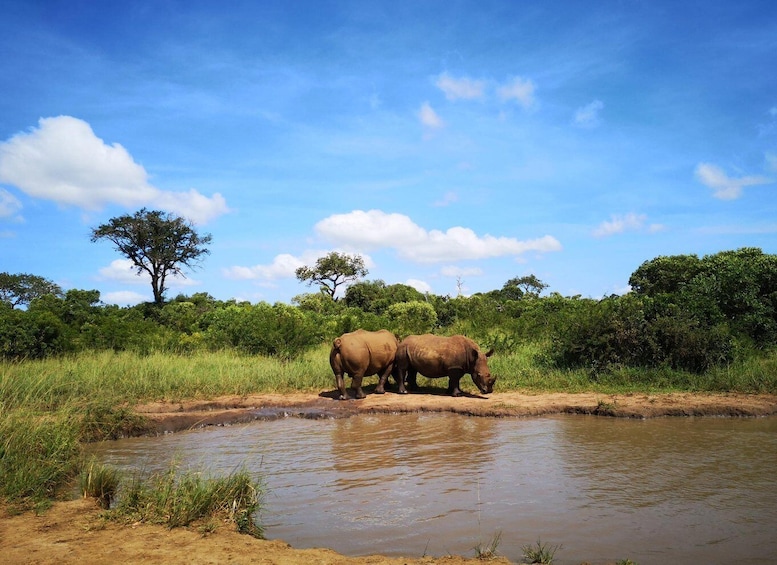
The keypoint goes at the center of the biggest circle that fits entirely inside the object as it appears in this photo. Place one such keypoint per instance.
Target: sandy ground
(75, 532)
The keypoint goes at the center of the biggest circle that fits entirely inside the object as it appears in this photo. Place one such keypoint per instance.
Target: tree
(333, 271)
(520, 287)
(21, 289)
(158, 244)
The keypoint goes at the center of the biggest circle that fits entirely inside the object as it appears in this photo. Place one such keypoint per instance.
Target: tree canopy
(157, 243)
(333, 271)
(21, 289)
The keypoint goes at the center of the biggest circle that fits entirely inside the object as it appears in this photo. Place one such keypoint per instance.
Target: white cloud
(429, 117)
(723, 186)
(620, 224)
(376, 229)
(463, 88)
(588, 115)
(420, 286)
(283, 266)
(64, 161)
(123, 271)
(9, 205)
(124, 298)
(520, 90)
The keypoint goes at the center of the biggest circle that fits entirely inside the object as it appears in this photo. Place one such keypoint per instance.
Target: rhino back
(434, 356)
(367, 351)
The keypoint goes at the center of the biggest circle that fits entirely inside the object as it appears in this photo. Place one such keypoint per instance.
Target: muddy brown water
(680, 490)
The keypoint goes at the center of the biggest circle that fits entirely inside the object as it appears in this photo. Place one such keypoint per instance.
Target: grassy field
(49, 408)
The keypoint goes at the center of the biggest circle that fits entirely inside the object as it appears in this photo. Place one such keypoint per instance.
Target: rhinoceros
(360, 354)
(436, 356)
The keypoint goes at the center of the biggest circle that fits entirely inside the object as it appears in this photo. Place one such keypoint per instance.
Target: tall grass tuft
(175, 499)
(540, 552)
(100, 482)
(486, 552)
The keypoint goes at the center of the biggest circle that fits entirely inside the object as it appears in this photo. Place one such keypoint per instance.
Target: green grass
(177, 499)
(486, 552)
(539, 553)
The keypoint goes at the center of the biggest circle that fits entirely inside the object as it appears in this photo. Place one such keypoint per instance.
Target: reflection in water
(680, 490)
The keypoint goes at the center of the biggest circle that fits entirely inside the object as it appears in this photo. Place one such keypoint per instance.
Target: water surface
(682, 490)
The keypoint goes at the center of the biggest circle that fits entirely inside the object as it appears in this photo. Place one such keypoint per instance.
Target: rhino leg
(412, 380)
(383, 379)
(453, 385)
(340, 382)
(356, 385)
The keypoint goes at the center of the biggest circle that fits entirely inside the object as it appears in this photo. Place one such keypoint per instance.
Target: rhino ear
(490, 352)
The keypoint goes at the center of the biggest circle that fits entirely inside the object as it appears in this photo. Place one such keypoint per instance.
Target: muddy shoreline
(169, 417)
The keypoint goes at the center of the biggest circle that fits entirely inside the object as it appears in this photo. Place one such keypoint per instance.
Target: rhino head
(481, 374)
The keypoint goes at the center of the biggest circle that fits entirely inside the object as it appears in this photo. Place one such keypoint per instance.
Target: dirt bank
(170, 417)
(74, 532)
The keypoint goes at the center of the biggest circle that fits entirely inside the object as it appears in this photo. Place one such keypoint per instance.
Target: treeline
(685, 312)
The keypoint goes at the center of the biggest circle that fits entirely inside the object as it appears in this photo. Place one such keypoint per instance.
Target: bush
(280, 330)
(413, 317)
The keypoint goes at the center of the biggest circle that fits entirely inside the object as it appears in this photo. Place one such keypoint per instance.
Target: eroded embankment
(167, 417)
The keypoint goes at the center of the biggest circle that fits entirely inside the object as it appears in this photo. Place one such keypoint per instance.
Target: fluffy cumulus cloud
(460, 88)
(623, 223)
(588, 115)
(62, 160)
(429, 118)
(283, 266)
(723, 186)
(124, 298)
(376, 229)
(519, 90)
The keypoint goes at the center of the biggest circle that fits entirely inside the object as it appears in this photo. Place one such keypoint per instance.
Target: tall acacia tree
(157, 243)
(332, 271)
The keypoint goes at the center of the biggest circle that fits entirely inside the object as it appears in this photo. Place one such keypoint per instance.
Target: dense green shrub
(413, 317)
(280, 330)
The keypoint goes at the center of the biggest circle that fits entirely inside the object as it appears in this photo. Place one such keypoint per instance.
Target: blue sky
(454, 145)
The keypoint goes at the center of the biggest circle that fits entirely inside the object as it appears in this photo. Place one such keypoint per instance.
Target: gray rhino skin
(435, 356)
(360, 354)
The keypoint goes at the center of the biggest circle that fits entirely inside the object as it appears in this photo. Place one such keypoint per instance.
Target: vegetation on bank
(71, 368)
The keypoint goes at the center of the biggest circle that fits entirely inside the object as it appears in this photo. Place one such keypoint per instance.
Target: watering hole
(682, 490)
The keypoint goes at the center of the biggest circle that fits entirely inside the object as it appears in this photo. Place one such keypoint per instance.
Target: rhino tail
(336, 344)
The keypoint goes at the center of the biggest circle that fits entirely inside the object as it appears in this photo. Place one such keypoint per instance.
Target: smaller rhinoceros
(360, 354)
(436, 356)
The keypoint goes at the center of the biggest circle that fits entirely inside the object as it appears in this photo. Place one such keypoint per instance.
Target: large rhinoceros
(435, 356)
(360, 354)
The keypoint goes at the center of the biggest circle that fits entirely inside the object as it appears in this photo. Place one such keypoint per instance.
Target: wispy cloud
(623, 223)
(460, 88)
(429, 117)
(519, 90)
(588, 115)
(62, 160)
(447, 199)
(376, 229)
(723, 186)
(9, 205)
